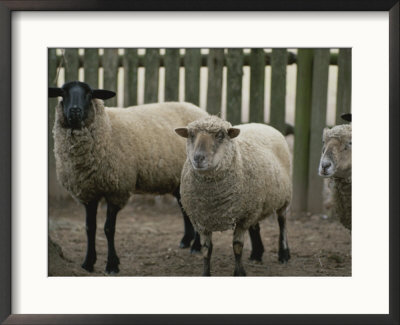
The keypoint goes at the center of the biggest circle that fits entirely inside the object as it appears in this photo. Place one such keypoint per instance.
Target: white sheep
(115, 152)
(335, 163)
(233, 178)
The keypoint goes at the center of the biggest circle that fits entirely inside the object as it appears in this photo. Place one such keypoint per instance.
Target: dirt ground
(149, 230)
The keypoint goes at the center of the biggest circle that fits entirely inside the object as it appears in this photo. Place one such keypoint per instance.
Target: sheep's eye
(220, 135)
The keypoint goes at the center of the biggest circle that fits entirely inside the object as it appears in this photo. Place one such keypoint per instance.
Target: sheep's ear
(346, 117)
(102, 94)
(233, 132)
(183, 132)
(55, 92)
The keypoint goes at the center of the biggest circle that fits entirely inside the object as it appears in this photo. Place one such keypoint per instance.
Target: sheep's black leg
(284, 253)
(207, 247)
(257, 247)
(196, 246)
(190, 234)
(91, 212)
(238, 240)
(189, 231)
(109, 229)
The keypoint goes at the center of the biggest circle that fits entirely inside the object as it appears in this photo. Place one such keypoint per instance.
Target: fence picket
(110, 63)
(317, 124)
(130, 77)
(214, 85)
(257, 79)
(302, 129)
(71, 64)
(171, 75)
(152, 66)
(278, 89)
(192, 64)
(91, 67)
(343, 99)
(234, 62)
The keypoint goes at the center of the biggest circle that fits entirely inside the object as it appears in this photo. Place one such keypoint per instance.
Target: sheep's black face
(76, 101)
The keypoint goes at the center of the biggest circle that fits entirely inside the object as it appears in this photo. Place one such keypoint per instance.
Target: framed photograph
(340, 56)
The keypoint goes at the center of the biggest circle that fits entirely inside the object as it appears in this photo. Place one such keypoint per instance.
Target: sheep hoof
(185, 242)
(88, 266)
(207, 273)
(256, 256)
(184, 245)
(195, 250)
(196, 247)
(284, 256)
(239, 272)
(112, 265)
(112, 269)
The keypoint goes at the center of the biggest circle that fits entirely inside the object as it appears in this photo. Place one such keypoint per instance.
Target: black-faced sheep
(335, 163)
(115, 152)
(233, 178)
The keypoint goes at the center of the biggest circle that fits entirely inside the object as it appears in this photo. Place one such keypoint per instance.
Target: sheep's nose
(199, 158)
(75, 109)
(326, 164)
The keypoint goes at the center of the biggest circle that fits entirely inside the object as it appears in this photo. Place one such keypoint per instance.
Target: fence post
(71, 64)
(192, 75)
(234, 85)
(318, 122)
(110, 65)
(91, 67)
(152, 65)
(257, 80)
(130, 62)
(302, 130)
(278, 89)
(171, 63)
(343, 99)
(214, 87)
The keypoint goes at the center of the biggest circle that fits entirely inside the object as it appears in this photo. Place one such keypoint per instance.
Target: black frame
(6, 7)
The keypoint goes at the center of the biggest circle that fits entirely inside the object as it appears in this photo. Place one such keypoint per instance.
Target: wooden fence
(310, 105)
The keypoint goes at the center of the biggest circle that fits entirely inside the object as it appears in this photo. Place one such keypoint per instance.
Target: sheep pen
(147, 243)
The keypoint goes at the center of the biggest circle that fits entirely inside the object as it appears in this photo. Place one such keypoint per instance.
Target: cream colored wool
(122, 151)
(341, 187)
(250, 183)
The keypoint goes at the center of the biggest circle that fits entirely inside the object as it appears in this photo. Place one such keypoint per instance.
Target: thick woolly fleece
(123, 151)
(341, 189)
(342, 131)
(342, 200)
(250, 183)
